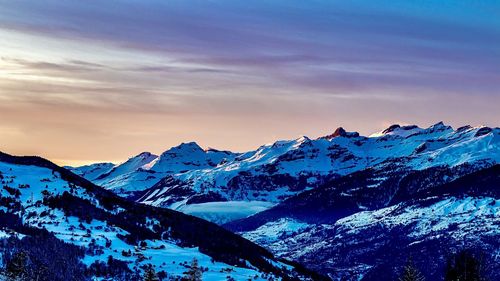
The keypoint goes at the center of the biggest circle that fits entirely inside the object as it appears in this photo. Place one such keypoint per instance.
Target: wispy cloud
(206, 66)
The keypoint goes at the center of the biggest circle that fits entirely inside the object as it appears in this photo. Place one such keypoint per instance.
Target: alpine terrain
(348, 206)
(55, 225)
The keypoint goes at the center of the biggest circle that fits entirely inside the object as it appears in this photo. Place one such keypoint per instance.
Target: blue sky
(100, 80)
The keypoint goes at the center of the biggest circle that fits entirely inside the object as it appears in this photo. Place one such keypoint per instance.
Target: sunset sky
(85, 81)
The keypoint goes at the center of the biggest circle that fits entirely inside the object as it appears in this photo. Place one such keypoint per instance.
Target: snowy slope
(374, 244)
(123, 178)
(131, 165)
(75, 211)
(365, 235)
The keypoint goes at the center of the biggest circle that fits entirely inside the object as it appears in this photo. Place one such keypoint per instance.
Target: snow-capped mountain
(46, 210)
(146, 169)
(131, 165)
(190, 156)
(186, 176)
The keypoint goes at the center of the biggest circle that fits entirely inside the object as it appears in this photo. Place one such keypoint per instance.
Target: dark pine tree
(194, 273)
(465, 266)
(150, 274)
(17, 266)
(411, 273)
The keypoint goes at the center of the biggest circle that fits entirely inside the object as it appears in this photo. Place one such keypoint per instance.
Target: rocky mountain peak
(185, 147)
(341, 132)
(146, 155)
(439, 126)
(391, 128)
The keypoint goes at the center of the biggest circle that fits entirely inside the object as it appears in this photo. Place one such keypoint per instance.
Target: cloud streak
(191, 64)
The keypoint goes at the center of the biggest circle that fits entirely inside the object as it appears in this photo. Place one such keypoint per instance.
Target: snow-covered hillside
(338, 238)
(77, 212)
(365, 235)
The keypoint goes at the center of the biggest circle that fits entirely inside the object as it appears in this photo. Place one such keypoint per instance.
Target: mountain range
(203, 182)
(341, 207)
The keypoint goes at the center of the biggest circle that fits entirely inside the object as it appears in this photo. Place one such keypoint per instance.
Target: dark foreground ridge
(189, 231)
